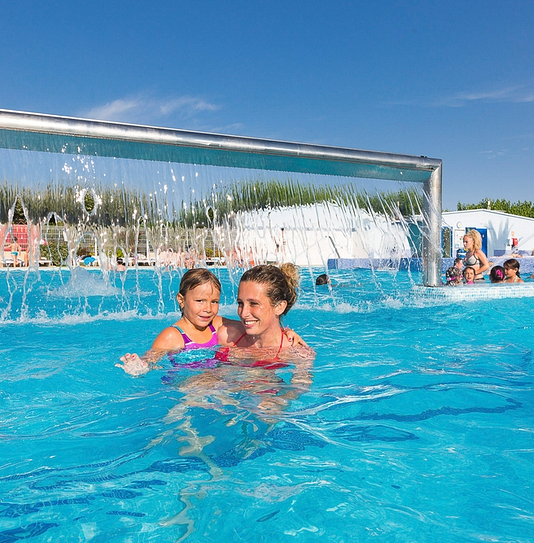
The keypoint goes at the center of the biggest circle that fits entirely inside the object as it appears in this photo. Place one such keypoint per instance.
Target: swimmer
(469, 275)
(496, 274)
(120, 265)
(511, 270)
(198, 298)
(15, 249)
(266, 293)
(322, 279)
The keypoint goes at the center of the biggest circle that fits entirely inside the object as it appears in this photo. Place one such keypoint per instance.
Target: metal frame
(52, 133)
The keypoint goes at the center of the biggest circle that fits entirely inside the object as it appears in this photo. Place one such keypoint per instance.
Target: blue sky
(451, 80)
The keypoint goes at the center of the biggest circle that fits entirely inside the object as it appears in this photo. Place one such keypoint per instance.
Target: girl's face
(200, 305)
(469, 275)
(255, 309)
(468, 243)
(510, 272)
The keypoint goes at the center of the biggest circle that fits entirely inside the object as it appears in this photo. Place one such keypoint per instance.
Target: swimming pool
(415, 422)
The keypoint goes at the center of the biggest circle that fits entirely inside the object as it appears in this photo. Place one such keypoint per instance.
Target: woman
(266, 293)
(474, 255)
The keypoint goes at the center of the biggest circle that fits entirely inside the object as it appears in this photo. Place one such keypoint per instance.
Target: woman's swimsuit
(474, 261)
(271, 364)
(190, 344)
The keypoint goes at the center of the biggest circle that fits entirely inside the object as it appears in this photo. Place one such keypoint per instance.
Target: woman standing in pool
(474, 256)
(266, 293)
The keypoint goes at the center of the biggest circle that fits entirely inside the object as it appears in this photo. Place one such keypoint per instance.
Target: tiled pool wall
(485, 291)
(526, 264)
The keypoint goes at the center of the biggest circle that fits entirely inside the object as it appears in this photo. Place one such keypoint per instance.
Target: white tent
(310, 235)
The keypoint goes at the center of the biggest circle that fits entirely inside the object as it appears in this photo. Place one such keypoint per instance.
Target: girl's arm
(294, 338)
(167, 340)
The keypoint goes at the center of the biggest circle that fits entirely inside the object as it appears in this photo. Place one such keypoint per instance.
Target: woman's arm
(483, 260)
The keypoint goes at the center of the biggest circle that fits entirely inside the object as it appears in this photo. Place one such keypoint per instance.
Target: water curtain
(109, 191)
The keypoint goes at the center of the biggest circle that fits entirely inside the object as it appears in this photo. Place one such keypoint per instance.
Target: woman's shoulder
(229, 332)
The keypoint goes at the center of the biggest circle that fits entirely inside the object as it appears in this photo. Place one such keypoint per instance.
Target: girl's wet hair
(496, 274)
(282, 282)
(512, 264)
(198, 276)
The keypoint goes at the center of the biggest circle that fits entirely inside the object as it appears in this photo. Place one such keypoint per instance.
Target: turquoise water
(414, 423)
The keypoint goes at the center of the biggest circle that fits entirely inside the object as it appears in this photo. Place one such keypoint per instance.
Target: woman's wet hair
(282, 282)
(195, 277)
(322, 279)
(512, 264)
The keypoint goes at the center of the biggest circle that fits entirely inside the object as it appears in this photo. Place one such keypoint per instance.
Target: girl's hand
(134, 365)
(294, 338)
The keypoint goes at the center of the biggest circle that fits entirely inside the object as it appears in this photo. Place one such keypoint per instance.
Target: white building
(498, 230)
(311, 235)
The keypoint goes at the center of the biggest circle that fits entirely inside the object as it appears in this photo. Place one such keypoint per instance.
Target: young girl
(474, 255)
(496, 274)
(469, 275)
(198, 298)
(511, 270)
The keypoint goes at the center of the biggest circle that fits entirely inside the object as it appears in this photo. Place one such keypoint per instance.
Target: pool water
(414, 423)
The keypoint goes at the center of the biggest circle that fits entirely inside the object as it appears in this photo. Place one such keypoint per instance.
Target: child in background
(496, 274)
(469, 275)
(453, 276)
(511, 270)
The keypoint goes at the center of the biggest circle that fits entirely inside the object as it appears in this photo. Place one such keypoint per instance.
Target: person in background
(474, 256)
(453, 276)
(469, 275)
(511, 270)
(120, 265)
(496, 274)
(322, 279)
(15, 250)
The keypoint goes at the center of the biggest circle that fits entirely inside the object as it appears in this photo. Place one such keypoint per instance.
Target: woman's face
(255, 310)
(468, 243)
